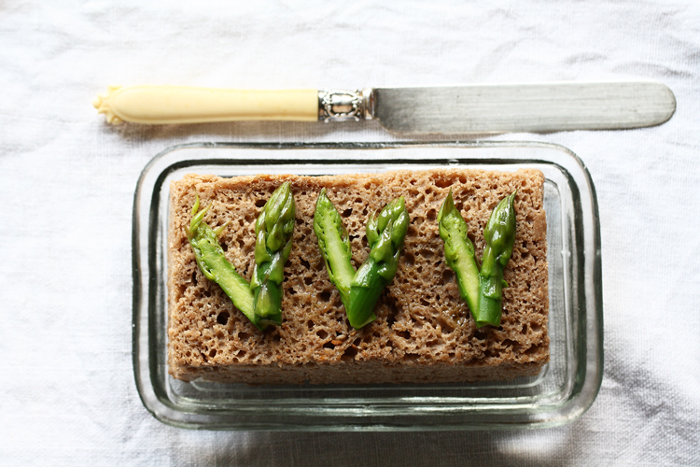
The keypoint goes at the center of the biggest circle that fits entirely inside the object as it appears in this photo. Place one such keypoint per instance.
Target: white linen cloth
(67, 395)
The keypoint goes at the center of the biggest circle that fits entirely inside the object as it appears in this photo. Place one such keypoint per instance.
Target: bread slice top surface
(421, 319)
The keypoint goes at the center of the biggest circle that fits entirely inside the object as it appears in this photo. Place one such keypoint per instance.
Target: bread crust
(423, 331)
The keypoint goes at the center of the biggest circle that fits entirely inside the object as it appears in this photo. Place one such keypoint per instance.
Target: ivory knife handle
(182, 104)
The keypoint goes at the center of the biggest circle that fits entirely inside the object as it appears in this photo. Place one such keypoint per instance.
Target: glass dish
(564, 389)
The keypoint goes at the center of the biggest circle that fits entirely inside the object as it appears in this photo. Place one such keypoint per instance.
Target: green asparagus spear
(213, 264)
(334, 244)
(481, 290)
(359, 291)
(273, 232)
(261, 300)
(459, 252)
(385, 235)
(499, 235)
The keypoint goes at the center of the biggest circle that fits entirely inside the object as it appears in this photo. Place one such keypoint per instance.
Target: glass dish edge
(590, 275)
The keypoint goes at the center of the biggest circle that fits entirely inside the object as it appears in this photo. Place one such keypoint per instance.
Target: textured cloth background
(67, 395)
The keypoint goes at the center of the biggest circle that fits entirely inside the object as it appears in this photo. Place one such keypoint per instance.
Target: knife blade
(483, 108)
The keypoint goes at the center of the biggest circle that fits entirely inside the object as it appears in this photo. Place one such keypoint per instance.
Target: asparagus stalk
(273, 233)
(261, 300)
(482, 290)
(359, 291)
(334, 244)
(385, 235)
(459, 252)
(214, 265)
(499, 235)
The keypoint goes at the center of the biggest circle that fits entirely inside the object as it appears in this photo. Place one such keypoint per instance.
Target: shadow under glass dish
(563, 390)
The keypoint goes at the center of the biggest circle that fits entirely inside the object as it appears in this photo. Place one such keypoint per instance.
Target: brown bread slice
(423, 333)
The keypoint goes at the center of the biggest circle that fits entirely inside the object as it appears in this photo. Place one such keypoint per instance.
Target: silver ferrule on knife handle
(339, 106)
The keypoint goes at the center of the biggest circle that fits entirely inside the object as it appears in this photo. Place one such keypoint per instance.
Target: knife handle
(181, 104)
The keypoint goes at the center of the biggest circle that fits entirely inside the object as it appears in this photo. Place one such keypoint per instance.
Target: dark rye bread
(423, 331)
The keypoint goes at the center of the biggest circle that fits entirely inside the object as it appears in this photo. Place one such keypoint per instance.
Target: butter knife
(482, 108)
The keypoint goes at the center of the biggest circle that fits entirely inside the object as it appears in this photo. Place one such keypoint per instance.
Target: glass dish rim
(163, 410)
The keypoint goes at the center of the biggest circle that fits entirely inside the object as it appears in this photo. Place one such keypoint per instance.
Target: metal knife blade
(524, 107)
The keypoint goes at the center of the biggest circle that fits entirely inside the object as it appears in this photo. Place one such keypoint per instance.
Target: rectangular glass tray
(563, 391)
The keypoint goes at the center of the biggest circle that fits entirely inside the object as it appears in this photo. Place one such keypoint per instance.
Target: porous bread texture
(423, 331)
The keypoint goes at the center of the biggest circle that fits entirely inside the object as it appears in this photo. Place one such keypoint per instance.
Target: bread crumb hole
(510, 343)
(243, 335)
(212, 353)
(260, 203)
(325, 296)
(329, 345)
(446, 328)
(222, 318)
(404, 334)
(426, 253)
(349, 353)
(442, 183)
(431, 215)
(347, 212)
(322, 334)
(448, 276)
